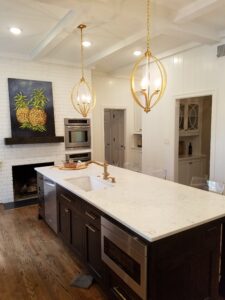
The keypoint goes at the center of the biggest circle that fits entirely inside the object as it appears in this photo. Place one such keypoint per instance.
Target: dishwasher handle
(49, 182)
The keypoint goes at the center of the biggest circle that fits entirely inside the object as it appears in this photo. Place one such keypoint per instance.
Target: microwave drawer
(126, 256)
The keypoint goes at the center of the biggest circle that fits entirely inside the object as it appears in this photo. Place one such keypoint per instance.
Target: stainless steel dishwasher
(50, 203)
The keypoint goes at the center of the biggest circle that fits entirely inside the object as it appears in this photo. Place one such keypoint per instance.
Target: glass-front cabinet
(189, 117)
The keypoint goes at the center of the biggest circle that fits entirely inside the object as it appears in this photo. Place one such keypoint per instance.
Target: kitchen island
(176, 228)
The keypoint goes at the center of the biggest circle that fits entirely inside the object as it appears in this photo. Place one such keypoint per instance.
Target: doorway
(114, 128)
(194, 130)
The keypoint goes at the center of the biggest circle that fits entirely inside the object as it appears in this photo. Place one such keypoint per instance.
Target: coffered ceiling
(115, 27)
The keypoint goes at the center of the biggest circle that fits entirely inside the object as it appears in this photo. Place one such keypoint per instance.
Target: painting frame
(31, 108)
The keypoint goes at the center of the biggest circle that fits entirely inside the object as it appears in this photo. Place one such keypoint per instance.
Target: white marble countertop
(151, 207)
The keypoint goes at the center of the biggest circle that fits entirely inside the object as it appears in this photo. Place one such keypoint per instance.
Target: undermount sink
(89, 183)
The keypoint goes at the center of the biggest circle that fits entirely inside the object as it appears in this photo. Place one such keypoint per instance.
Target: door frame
(176, 98)
(117, 107)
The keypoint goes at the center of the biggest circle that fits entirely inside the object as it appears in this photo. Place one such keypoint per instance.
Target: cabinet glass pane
(193, 110)
(181, 117)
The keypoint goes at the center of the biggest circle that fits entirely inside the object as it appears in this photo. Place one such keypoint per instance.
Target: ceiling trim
(161, 56)
(194, 32)
(56, 35)
(196, 9)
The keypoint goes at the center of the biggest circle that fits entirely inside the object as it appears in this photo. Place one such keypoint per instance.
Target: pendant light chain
(82, 52)
(148, 25)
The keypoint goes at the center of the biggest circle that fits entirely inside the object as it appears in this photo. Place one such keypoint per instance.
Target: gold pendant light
(82, 96)
(148, 78)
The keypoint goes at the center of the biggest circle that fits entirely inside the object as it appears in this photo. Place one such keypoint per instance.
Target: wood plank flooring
(34, 263)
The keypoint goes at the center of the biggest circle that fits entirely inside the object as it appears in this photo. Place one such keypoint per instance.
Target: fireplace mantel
(34, 140)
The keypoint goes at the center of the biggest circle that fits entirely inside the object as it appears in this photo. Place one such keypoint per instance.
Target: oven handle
(78, 127)
(116, 291)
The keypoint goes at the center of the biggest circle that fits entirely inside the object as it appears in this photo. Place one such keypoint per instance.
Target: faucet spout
(105, 165)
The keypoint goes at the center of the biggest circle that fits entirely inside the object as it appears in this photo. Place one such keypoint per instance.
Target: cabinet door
(65, 221)
(186, 266)
(182, 117)
(195, 169)
(189, 118)
(93, 249)
(184, 172)
(41, 203)
(193, 117)
(78, 233)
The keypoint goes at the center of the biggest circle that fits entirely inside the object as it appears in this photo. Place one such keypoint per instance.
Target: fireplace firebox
(25, 181)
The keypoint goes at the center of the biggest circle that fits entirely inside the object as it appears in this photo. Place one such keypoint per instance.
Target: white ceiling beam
(116, 47)
(196, 9)
(193, 32)
(56, 35)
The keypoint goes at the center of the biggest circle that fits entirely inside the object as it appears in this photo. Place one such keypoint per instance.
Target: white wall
(63, 79)
(111, 92)
(193, 73)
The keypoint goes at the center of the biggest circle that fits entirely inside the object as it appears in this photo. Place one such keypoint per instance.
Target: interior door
(107, 122)
(114, 136)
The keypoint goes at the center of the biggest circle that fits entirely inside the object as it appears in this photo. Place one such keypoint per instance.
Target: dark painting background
(26, 87)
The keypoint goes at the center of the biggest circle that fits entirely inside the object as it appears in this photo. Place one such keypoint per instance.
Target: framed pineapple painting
(31, 108)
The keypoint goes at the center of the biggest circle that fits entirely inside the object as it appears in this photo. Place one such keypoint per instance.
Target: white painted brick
(63, 79)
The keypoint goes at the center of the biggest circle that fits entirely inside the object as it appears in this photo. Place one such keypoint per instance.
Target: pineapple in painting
(37, 114)
(31, 114)
(22, 109)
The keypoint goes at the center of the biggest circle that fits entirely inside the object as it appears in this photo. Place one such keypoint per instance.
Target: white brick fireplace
(63, 79)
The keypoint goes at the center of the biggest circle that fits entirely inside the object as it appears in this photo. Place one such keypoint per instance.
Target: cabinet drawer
(92, 216)
(70, 199)
(119, 290)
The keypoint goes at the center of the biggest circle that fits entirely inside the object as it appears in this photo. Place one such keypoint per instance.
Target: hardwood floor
(34, 263)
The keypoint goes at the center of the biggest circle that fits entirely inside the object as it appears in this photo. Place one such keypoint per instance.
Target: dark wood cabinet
(65, 221)
(186, 266)
(79, 227)
(77, 232)
(93, 240)
(40, 189)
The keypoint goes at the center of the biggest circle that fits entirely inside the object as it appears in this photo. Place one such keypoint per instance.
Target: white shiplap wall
(192, 73)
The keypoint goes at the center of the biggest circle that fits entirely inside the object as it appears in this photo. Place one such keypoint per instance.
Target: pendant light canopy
(148, 78)
(82, 96)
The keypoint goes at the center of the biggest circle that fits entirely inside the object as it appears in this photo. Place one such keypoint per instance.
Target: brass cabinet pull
(66, 198)
(90, 227)
(66, 210)
(116, 290)
(90, 215)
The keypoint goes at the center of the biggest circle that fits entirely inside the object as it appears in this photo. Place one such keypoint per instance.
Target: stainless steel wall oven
(77, 133)
(86, 156)
(125, 255)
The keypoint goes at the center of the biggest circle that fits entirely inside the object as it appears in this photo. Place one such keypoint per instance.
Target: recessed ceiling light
(86, 44)
(15, 30)
(137, 53)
